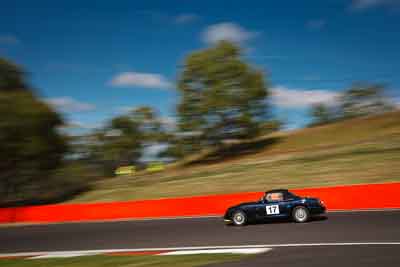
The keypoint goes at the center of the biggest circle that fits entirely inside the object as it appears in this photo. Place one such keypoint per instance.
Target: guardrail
(353, 197)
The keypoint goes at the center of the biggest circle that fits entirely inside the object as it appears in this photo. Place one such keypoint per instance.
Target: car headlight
(322, 203)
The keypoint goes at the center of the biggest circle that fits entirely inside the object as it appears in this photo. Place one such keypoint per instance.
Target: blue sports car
(279, 203)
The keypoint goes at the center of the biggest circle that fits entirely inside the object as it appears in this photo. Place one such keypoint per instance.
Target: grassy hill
(361, 150)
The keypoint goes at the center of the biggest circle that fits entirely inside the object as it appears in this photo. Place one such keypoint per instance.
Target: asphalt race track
(357, 256)
(349, 227)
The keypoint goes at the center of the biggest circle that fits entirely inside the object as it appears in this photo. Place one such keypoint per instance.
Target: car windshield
(291, 196)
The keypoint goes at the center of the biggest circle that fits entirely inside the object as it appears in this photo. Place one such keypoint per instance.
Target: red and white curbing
(241, 249)
(133, 252)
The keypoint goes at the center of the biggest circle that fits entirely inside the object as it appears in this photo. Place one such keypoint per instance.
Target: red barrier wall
(7, 215)
(370, 196)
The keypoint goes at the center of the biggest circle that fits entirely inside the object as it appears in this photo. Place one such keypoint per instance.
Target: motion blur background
(106, 100)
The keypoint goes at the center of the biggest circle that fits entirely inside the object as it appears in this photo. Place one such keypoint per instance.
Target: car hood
(244, 204)
(312, 198)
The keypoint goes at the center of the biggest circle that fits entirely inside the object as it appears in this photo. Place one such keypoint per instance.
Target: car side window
(274, 197)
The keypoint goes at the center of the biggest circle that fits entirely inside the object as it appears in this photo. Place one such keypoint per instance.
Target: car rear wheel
(300, 214)
(239, 218)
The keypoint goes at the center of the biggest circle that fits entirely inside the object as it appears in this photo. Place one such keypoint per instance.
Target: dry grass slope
(362, 150)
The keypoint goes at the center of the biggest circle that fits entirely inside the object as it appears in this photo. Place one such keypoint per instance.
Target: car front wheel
(300, 214)
(239, 218)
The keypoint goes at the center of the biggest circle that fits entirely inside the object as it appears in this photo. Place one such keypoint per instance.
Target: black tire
(300, 214)
(239, 218)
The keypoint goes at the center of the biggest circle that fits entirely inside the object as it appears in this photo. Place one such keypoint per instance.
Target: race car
(279, 203)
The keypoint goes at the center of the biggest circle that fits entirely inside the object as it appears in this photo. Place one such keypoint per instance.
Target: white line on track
(61, 255)
(217, 251)
(170, 249)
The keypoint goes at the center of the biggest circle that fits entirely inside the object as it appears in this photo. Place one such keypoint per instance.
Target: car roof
(277, 191)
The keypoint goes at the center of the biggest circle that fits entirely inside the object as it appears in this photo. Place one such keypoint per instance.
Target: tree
(322, 114)
(363, 100)
(12, 78)
(31, 147)
(359, 100)
(149, 123)
(177, 147)
(119, 143)
(221, 97)
(124, 139)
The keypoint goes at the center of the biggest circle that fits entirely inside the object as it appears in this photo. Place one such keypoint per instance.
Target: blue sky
(94, 59)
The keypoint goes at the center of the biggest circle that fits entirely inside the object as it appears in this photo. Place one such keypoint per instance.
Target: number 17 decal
(272, 209)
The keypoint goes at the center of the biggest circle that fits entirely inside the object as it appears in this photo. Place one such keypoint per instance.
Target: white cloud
(300, 98)
(186, 18)
(227, 31)
(150, 153)
(366, 4)
(316, 24)
(9, 40)
(68, 104)
(137, 79)
(78, 129)
(80, 125)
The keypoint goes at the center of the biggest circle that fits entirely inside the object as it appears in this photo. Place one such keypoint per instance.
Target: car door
(277, 205)
(261, 210)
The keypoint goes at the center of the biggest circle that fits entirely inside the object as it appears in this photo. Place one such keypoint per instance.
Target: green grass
(363, 150)
(123, 261)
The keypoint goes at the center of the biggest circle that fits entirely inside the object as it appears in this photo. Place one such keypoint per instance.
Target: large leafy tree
(31, 147)
(221, 97)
